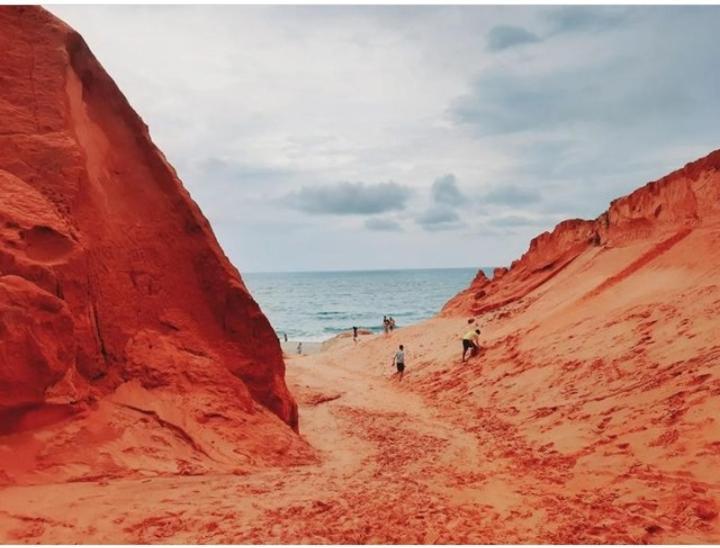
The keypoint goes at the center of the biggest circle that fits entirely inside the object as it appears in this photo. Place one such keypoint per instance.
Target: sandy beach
(577, 423)
(510, 447)
(144, 397)
(290, 348)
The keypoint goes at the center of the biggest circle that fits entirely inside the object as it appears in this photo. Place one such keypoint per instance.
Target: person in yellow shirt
(470, 342)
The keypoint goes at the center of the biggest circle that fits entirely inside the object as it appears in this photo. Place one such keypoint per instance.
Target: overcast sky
(319, 138)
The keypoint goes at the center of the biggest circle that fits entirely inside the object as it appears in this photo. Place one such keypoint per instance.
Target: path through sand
(392, 467)
(389, 470)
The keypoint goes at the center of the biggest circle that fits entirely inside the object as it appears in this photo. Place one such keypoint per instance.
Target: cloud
(214, 170)
(349, 198)
(614, 93)
(501, 102)
(439, 218)
(506, 36)
(445, 191)
(438, 215)
(601, 104)
(594, 115)
(512, 195)
(520, 220)
(382, 225)
(584, 18)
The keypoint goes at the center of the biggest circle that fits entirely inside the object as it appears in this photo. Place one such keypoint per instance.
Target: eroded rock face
(37, 341)
(665, 209)
(109, 273)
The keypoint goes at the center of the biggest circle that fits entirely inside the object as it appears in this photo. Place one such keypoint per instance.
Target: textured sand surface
(573, 434)
(118, 308)
(143, 394)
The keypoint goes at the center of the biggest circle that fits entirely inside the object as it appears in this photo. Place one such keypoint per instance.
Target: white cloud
(252, 104)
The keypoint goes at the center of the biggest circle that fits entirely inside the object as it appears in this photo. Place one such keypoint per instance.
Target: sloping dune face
(599, 384)
(123, 323)
(663, 212)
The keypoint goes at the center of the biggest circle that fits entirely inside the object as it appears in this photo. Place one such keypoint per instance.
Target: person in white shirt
(399, 361)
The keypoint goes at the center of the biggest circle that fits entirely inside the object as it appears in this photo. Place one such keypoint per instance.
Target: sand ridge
(507, 448)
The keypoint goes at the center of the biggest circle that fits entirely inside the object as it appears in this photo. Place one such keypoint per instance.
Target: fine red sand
(137, 372)
(127, 336)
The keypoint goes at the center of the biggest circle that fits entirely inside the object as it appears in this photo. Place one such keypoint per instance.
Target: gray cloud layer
(349, 198)
(507, 36)
(590, 18)
(442, 214)
(519, 220)
(382, 225)
(439, 217)
(445, 191)
(637, 89)
(512, 195)
(558, 111)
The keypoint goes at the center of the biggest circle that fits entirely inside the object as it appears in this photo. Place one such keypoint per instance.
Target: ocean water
(315, 306)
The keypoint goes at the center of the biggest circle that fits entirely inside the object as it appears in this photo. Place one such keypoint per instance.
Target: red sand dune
(136, 368)
(117, 304)
(669, 208)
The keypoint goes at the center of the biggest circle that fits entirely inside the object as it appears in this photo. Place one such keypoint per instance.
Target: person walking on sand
(470, 342)
(354, 333)
(391, 323)
(386, 324)
(399, 361)
(285, 335)
(299, 348)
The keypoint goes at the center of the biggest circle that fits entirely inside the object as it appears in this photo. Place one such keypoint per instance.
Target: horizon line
(243, 273)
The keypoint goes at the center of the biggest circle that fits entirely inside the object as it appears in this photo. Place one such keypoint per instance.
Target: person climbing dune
(470, 342)
(399, 361)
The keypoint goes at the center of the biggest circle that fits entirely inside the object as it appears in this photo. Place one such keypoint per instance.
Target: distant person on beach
(391, 323)
(299, 348)
(285, 335)
(399, 361)
(354, 333)
(470, 342)
(386, 324)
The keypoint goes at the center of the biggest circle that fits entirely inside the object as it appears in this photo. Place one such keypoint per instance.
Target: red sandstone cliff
(668, 208)
(113, 287)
